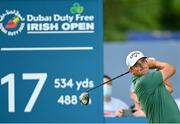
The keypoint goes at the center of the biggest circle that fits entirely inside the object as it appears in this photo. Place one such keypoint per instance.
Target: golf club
(84, 97)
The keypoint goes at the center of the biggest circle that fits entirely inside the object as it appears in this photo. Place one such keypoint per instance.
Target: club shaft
(108, 81)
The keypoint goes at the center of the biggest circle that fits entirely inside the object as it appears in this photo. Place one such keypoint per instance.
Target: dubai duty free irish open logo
(11, 22)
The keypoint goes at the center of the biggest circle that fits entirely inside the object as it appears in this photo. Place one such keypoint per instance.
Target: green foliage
(121, 16)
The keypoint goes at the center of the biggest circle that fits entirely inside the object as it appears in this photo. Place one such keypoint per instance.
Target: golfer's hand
(151, 63)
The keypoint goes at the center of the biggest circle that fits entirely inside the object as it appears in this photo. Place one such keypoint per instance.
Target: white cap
(133, 57)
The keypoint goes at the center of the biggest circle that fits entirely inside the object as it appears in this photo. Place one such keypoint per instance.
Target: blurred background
(151, 26)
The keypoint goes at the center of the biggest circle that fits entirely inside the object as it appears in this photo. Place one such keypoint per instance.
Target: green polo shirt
(156, 101)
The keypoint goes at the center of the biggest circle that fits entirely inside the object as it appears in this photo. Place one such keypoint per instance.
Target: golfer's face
(141, 67)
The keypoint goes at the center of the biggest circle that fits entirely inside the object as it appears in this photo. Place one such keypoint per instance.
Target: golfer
(151, 84)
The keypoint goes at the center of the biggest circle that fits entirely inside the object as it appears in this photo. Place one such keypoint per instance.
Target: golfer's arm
(168, 86)
(166, 69)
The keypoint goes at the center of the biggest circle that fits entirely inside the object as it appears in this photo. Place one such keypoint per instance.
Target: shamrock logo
(76, 9)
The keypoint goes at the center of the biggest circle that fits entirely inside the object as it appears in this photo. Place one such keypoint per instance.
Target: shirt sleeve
(153, 80)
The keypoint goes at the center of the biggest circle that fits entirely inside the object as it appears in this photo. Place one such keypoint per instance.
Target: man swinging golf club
(151, 84)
